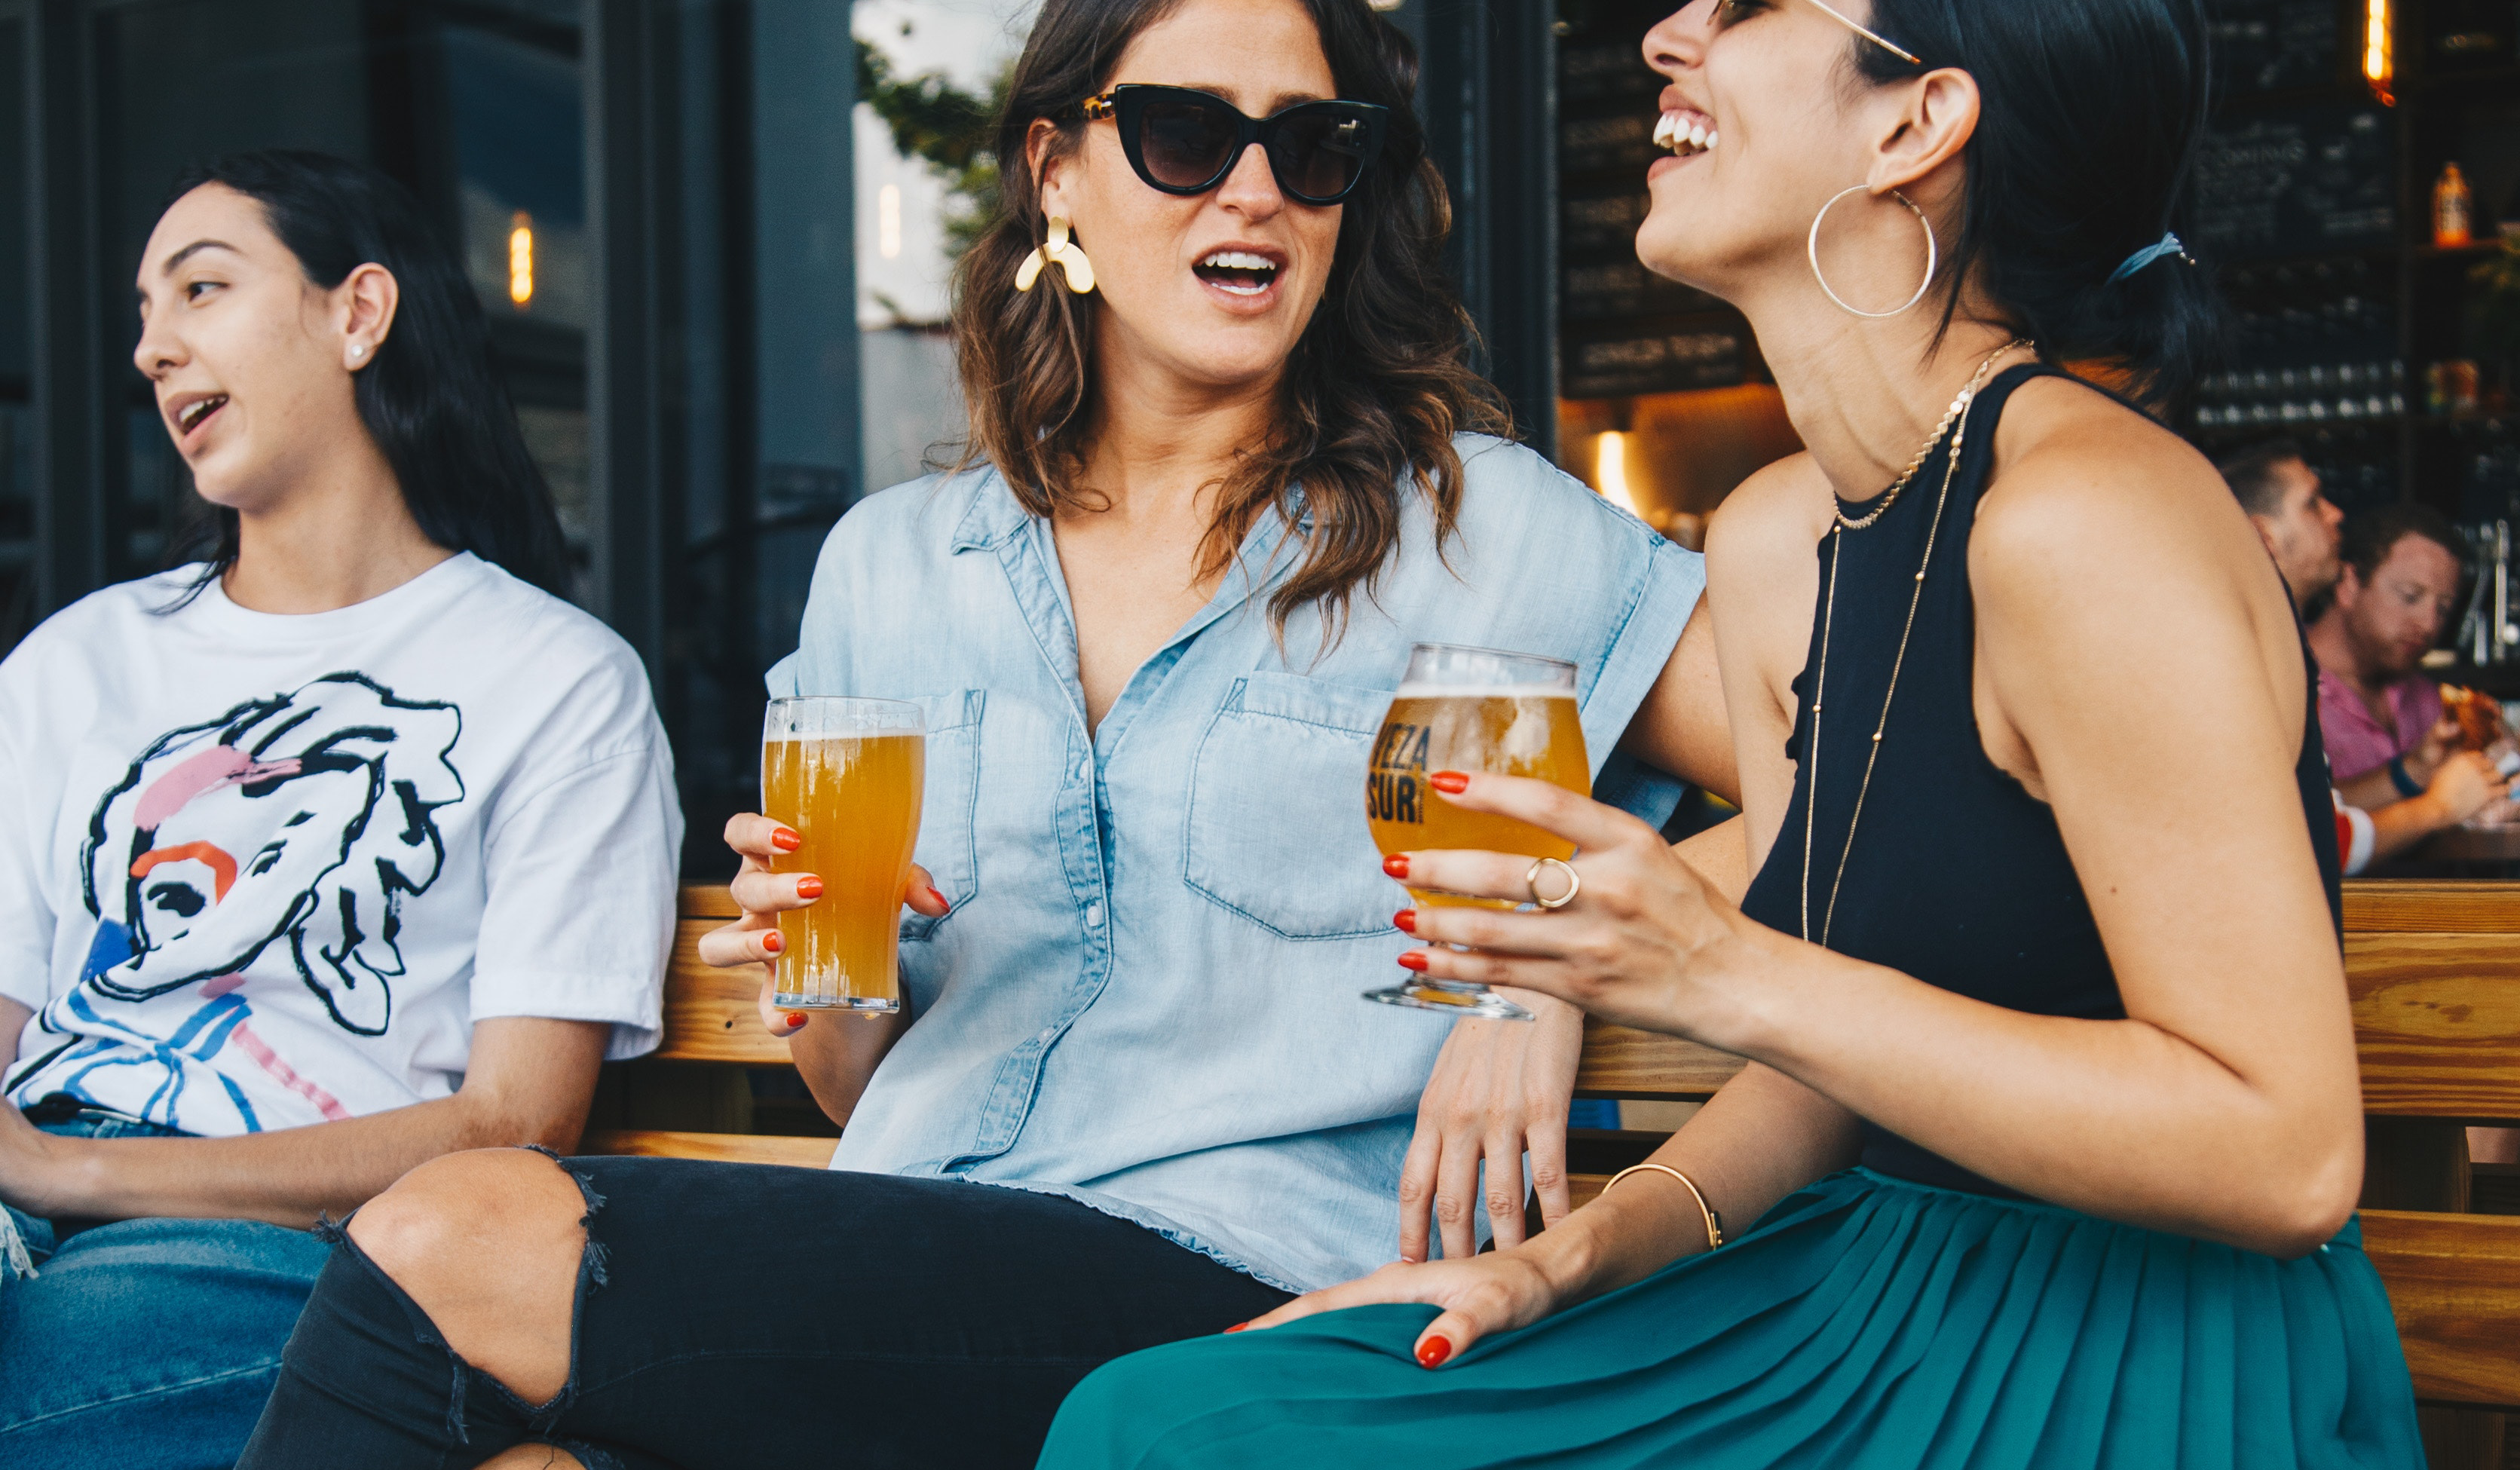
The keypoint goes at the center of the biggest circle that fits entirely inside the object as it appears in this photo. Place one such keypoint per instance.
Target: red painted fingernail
(1433, 1351)
(1406, 921)
(1451, 784)
(1397, 865)
(1237, 1326)
(787, 839)
(796, 1019)
(937, 897)
(1414, 960)
(772, 944)
(809, 888)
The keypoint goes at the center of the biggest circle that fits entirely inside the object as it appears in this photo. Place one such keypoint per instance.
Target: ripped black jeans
(732, 1315)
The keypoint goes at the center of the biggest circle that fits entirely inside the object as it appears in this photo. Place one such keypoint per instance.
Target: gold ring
(1574, 883)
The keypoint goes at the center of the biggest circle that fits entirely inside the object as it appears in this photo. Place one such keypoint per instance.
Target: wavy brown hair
(1373, 393)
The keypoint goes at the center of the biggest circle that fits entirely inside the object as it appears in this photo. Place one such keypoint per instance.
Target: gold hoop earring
(1934, 254)
(1073, 267)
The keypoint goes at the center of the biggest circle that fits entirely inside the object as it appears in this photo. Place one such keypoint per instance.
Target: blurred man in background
(2398, 791)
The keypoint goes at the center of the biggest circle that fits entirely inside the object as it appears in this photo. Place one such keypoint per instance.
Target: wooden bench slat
(1619, 1062)
(2437, 1022)
(708, 900)
(724, 1148)
(2446, 905)
(714, 1015)
(2454, 1284)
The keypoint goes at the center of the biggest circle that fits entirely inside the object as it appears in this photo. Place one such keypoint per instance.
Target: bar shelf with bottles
(2360, 201)
(2314, 357)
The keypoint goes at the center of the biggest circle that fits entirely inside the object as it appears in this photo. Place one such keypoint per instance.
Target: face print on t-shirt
(300, 820)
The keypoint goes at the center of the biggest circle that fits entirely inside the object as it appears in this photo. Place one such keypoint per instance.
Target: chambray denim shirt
(1145, 997)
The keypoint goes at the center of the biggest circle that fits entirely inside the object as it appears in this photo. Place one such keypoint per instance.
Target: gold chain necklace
(1959, 405)
(1956, 420)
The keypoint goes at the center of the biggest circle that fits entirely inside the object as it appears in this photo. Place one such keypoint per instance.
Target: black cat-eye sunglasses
(1186, 142)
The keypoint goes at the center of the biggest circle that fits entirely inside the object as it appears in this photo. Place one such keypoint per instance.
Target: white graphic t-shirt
(261, 870)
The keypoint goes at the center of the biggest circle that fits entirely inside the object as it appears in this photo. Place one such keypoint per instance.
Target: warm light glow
(2379, 68)
(1610, 473)
(520, 259)
(888, 222)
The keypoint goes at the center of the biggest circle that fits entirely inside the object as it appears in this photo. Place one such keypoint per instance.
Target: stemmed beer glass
(1470, 709)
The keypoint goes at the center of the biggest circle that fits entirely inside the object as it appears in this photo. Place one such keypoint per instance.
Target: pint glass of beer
(1470, 709)
(846, 774)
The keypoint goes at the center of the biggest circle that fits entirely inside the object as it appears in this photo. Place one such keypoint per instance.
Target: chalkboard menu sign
(2273, 45)
(2305, 181)
(1625, 330)
(1623, 364)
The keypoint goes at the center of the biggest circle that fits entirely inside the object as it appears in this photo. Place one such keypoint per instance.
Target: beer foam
(1424, 691)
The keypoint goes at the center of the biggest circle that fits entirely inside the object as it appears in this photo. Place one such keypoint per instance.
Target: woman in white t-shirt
(347, 847)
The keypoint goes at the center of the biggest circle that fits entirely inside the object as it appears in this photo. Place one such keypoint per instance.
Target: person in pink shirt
(2394, 593)
(2302, 531)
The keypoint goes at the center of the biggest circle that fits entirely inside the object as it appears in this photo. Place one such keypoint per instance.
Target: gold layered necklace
(1955, 423)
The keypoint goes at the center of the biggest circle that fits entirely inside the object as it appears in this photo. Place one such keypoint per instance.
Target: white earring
(1933, 256)
(357, 350)
(1073, 267)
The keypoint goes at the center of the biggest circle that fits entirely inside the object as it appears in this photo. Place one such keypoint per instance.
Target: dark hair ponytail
(2091, 114)
(431, 400)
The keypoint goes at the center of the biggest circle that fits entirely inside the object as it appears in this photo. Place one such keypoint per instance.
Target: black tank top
(1958, 875)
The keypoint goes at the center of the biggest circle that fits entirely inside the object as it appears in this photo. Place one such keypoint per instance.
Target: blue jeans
(145, 1344)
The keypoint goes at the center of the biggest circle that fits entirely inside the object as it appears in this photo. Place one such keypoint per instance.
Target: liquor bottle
(2452, 207)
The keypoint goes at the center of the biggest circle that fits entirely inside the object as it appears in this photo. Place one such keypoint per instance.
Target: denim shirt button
(1093, 916)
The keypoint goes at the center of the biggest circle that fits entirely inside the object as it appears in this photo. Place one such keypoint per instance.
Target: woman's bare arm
(1680, 728)
(529, 1081)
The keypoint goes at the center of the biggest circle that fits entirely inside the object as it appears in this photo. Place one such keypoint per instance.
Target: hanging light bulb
(2379, 63)
(520, 259)
(1610, 473)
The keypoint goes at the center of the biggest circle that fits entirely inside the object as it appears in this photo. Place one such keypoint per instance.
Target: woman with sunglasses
(2048, 1147)
(1222, 477)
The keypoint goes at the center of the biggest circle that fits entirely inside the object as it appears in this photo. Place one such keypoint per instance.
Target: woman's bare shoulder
(1781, 512)
(2104, 534)
(2090, 495)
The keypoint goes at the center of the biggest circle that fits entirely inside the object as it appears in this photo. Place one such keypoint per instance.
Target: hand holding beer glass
(1470, 709)
(845, 775)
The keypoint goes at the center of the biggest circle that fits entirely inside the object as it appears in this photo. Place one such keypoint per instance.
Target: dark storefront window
(476, 105)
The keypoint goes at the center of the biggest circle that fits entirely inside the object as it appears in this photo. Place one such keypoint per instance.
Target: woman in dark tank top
(2051, 1131)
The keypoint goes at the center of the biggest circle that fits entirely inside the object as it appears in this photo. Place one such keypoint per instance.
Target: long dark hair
(1374, 390)
(430, 398)
(2091, 114)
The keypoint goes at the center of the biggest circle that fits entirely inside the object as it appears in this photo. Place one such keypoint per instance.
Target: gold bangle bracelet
(1714, 1221)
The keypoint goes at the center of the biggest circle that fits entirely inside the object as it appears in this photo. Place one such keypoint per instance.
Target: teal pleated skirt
(1866, 1321)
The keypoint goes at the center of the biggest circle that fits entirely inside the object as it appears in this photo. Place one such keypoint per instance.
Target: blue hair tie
(2169, 244)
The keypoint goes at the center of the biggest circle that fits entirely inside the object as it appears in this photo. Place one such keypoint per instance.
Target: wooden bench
(2434, 968)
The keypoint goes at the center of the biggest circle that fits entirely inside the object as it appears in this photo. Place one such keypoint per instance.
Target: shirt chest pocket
(949, 805)
(1274, 826)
